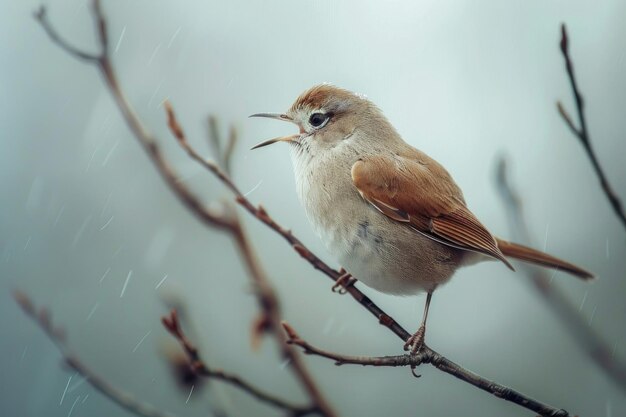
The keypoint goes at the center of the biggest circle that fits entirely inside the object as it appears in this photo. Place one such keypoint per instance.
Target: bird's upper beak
(277, 116)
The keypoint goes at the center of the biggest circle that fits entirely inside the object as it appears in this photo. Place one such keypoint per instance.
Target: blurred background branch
(56, 335)
(585, 336)
(582, 133)
(199, 367)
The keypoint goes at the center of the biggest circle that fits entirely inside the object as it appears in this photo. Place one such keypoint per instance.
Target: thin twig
(226, 221)
(398, 360)
(229, 149)
(586, 337)
(428, 356)
(582, 134)
(223, 152)
(199, 367)
(42, 17)
(215, 142)
(56, 335)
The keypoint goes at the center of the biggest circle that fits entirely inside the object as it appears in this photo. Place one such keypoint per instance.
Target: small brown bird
(394, 217)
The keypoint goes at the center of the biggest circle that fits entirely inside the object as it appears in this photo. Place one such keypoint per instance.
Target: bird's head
(326, 115)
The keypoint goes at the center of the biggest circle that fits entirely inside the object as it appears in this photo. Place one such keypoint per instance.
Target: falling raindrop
(130, 273)
(73, 405)
(65, 390)
(156, 50)
(80, 232)
(583, 301)
(173, 37)
(93, 309)
(253, 188)
(161, 282)
(106, 224)
(141, 341)
(106, 158)
(105, 274)
(119, 42)
(190, 392)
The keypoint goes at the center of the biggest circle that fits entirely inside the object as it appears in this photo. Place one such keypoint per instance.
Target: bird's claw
(345, 281)
(415, 342)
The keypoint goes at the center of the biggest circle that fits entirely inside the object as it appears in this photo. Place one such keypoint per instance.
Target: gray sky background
(463, 81)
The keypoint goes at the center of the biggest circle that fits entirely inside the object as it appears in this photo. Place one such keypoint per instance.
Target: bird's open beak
(277, 116)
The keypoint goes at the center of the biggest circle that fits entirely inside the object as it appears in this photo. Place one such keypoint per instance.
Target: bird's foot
(415, 342)
(344, 282)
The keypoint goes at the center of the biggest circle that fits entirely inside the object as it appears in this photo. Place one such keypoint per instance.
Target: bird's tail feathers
(533, 256)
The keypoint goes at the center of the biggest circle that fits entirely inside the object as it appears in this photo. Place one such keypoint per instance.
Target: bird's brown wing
(416, 190)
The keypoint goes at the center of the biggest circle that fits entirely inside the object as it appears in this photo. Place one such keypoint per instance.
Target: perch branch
(582, 134)
(226, 221)
(56, 335)
(199, 367)
(270, 318)
(585, 336)
(428, 356)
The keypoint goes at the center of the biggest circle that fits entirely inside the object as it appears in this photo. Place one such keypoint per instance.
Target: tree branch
(582, 134)
(198, 366)
(586, 337)
(226, 221)
(56, 335)
(428, 356)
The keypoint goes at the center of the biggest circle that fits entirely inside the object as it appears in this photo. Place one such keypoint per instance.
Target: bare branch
(586, 337)
(123, 399)
(223, 152)
(215, 142)
(211, 166)
(270, 317)
(42, 17)
(428, 356)
(582, 134)
(199, 367)
(226, 221)
(399, 360)
(230, 148)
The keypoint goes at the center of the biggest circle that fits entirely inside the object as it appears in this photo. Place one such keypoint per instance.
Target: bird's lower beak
(277, 116)
(291, 138)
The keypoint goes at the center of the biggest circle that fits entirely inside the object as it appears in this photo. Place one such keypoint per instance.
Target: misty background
(82, 206)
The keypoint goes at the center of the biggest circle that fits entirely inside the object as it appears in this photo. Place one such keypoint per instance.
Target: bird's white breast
(382, 253)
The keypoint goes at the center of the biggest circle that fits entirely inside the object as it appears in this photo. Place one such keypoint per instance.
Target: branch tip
(290, 331)
(564, 44)
(172, 122)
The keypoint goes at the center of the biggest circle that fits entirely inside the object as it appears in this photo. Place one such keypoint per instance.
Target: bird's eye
(318, 119)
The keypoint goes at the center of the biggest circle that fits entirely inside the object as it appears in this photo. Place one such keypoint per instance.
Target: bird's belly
(386, 255)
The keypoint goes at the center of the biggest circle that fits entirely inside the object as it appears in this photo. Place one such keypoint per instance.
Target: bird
(392, 216)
